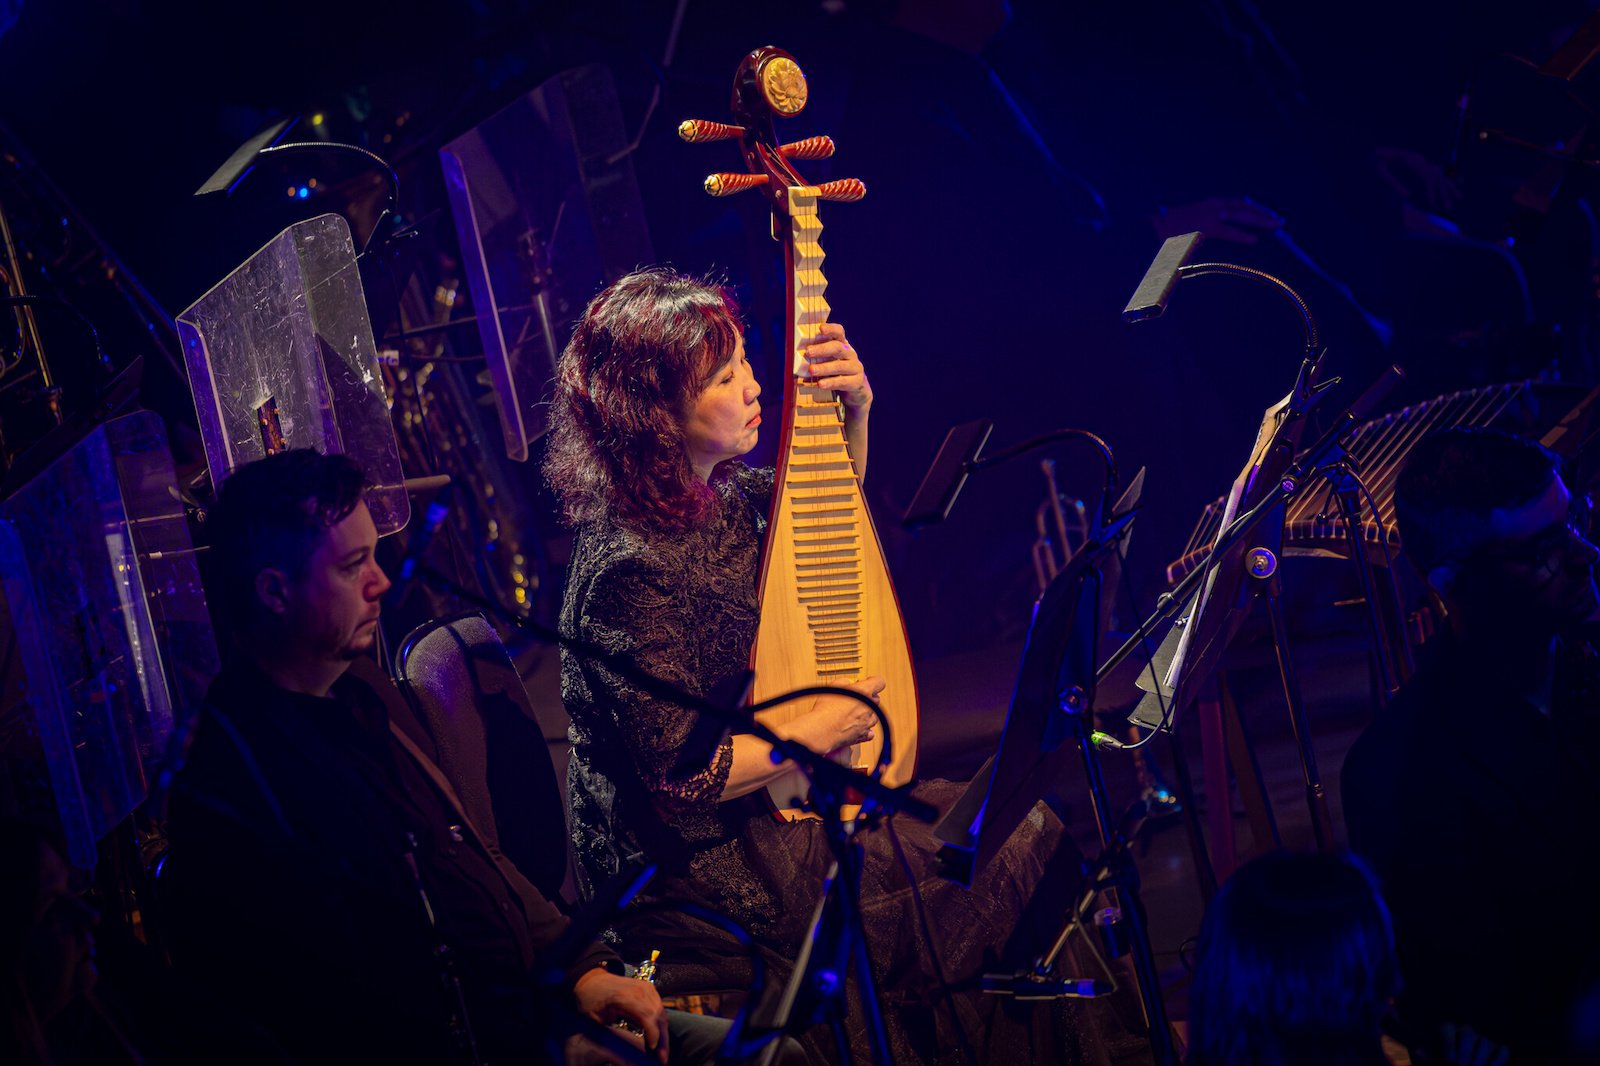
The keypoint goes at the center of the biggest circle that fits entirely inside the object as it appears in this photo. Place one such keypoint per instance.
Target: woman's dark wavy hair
(1296, 966)
(644, 349)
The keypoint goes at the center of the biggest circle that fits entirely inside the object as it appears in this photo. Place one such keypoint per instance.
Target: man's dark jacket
(1477, 811)
(289, 884)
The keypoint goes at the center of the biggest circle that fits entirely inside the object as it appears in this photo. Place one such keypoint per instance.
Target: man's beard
(358, 646)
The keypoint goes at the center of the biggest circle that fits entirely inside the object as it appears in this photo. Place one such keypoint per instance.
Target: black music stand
(1061, 649)
(1051, 719)
(1051, 716)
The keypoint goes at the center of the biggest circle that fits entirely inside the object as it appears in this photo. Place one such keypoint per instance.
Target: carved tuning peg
(810, 148)
(847, 189)
(728, 184)
(701, 131)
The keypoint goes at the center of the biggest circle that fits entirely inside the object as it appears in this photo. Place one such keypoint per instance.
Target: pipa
(828, 610)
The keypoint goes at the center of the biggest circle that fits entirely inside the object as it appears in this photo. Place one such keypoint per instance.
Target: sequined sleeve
(754, 485)
(636, 608)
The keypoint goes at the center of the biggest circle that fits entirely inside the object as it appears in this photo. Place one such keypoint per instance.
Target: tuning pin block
(701, 131)
(847, 189)
(728, 184)
(810, 148)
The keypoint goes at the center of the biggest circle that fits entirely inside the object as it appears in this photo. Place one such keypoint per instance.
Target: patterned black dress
(645, 785)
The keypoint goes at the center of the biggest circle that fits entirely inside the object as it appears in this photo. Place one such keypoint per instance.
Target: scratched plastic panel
(547, 211)
(282, 350)
(113, 643)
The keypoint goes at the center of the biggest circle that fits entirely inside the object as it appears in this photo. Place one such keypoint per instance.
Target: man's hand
(581, 1051)
(609, 999)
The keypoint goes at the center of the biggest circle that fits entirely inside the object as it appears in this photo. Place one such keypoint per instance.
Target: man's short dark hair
(1455, 479)
(271, 514)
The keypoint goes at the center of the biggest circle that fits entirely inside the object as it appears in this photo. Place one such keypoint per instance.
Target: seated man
(321, 867)
(1472, 794)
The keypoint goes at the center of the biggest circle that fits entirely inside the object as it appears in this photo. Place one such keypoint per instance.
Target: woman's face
(724, 420)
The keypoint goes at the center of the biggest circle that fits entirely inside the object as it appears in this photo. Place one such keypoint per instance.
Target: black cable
(921, 909)
(1107, 456)
(1392, 582)
(884, 758)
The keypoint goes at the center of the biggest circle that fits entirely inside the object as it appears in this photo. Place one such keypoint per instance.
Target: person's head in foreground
(1296, 966)
(1486, 517)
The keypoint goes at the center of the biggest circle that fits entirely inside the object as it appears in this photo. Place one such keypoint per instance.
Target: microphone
(1150, 298)
(1376, 393)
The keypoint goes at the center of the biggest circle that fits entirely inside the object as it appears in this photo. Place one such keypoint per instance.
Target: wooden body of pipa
(828, 610)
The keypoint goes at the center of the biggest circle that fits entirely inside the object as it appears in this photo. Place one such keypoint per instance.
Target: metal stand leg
(1347, 494)
(1247, 771)
(1191, 818)
(1124, 877)
(1219, 790)
(1144, 961)
(850, 889)
(835, 940)
(1316, 800)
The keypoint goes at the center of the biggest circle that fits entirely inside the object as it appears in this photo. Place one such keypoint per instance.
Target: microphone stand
(1053, 702)
(1325, 453)
(1062, 619)
(1149, 300)
(1325, 458)
(834, 941)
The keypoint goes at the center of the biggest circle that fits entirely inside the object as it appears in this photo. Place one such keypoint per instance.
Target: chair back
(461, 680)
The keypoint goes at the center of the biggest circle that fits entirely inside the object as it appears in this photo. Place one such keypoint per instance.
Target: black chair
(461, 680)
